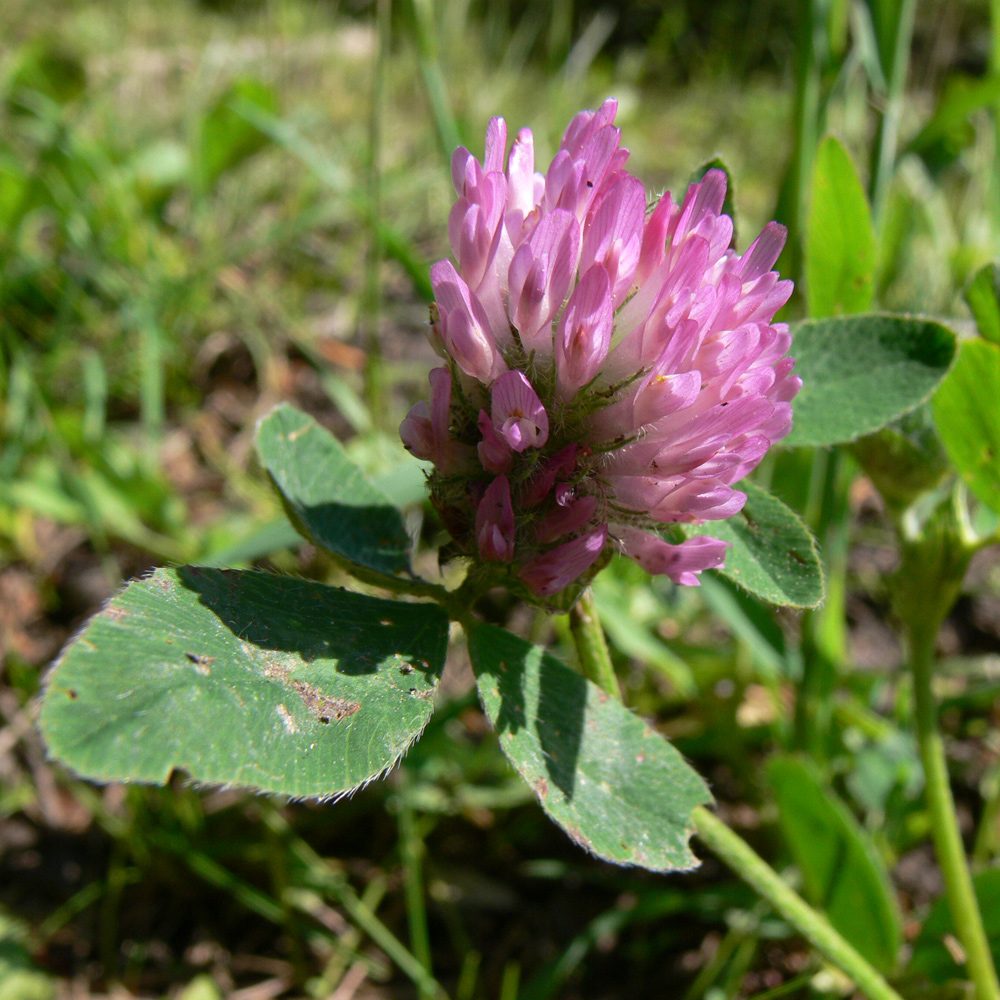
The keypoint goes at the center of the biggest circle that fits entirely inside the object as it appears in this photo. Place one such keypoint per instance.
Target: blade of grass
(372, 299)
(395, 245)
(431, 73)
(337, 886)
(411, 849)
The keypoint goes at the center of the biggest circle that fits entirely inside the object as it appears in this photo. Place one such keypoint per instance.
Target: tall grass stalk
(372, 299)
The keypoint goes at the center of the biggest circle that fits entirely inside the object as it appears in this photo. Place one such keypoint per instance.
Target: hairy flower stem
(591, 646)
(948, 845)
(730, 847)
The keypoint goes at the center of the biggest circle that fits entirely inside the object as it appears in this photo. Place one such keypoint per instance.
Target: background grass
(206, 208)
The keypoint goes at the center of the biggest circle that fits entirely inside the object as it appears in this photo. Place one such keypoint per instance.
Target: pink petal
(556, 570)
(518, 413)
(464, 326)
(440, 380)
(613, 235)
(495, 522)
(560, 466)
(494, 452)
(416, 433)
(567, 520)
(654, 238)
(521, 174)
(763, 252)
(539, 278)
(496, 145)
(585, 124)
(682, 563)
(584, 333)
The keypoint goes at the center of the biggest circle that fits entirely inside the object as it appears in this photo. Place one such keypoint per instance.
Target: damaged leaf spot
(202, 664)
(327, 708)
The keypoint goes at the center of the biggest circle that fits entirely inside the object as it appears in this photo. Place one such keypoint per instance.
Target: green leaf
(326, 495)
(859, 373)
(841, 871)
(840, 249)
(225, 137)
(242, 678)
(772, 553)
(967, 413)
(616, 786)
(983, 298)
(931, 959)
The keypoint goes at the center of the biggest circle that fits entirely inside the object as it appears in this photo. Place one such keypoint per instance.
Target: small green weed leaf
(841, 871)
(242, 678)
(967, 414)
(225, 137)
(14, 187)
(616, 786)
(20, 977)
(931, 958)
(950, 129)
(771, 554)
(904, 459)
(861, 372)
(327, 496)
(840, 248)
(983, 298)
(158, 170)
(44, 68)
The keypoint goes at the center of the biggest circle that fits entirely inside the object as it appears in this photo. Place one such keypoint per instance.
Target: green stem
(994, 64)
(591, 646)
(948, 845)
(813, 926)
(988, 835)
(592, 650)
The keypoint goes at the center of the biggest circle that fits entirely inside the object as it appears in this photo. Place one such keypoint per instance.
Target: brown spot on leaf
(115, 613)
(542, 787)
(325, 707)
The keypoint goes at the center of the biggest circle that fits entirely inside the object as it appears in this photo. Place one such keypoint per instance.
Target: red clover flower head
(609, 368)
